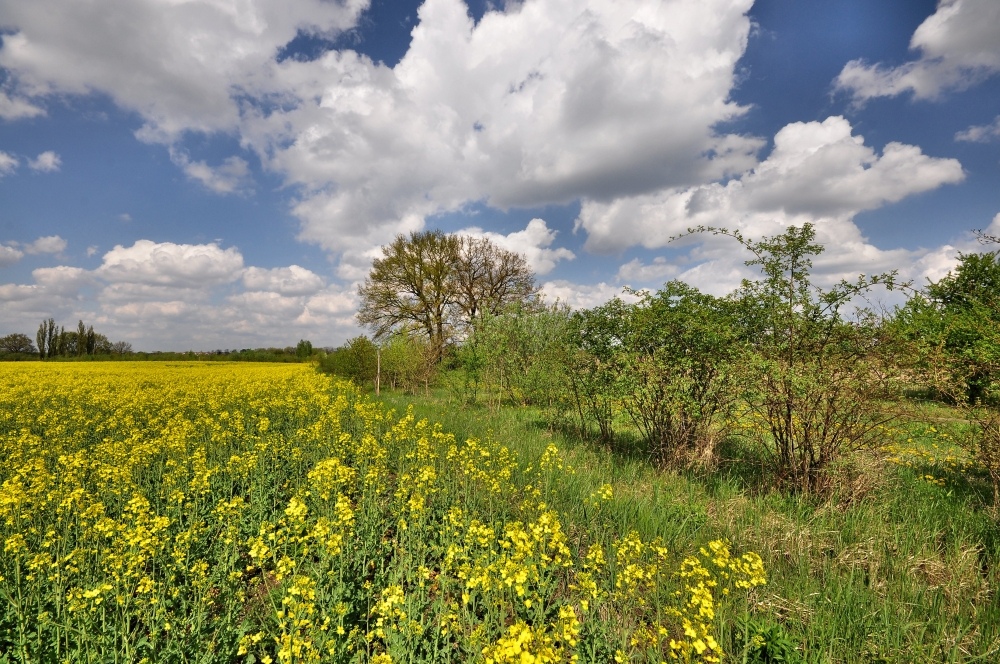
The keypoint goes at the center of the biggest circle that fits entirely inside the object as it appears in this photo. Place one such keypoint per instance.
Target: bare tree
(489, 278)
(121, 348)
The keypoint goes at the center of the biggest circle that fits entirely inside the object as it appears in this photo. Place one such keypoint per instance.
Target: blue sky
(220, 173)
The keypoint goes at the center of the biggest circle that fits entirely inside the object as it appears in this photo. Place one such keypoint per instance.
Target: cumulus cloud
(150, 288)
(50, 244)
(181, 65)
(583, 296)
(638, 272)
(980, 133)
(166, 264)
(8, 163)
(539, 102)
(334, 301)
(533, 243)
(11, 293)
(62, 279)
(146, 292)
(291, 280)
(958, 46)
(46, 162)
(232, 176)
(9, 255)
(259, 306)
(818, 172)
(17, 108)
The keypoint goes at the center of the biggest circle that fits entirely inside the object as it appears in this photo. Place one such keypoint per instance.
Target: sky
(219, 174)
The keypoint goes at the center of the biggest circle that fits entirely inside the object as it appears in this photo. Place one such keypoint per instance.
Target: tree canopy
(440, 284)
(16, 343)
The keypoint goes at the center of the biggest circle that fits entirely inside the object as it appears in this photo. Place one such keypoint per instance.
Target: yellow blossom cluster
(266, 513)
(936, 452)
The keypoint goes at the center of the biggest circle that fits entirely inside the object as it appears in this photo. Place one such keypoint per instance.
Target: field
(234, 513)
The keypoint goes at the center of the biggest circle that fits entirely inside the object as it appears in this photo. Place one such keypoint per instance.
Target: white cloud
(533, 243)
(181, 65)
(150, 316)
(164, 296)
(635, 272)
(544, 102)
(46, 162)
(118, 293)
(980, 133)
(994, 228)
(50, 244)
(150, 289)
(291, 280)
(92, 250)
(817, 172)
(8, 163)
(958, 46)
(171, 265)
(233, 176)
(821, 168)
(259, 305)
(582, 296)
(541, 102)
(62, 279)
(154, 314)
(721, 276)
(17, 108)
(9, 255)
(333, 301)
(10, 293)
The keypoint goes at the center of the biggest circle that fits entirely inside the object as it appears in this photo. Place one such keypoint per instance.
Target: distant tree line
(303, 352)
(56, 341)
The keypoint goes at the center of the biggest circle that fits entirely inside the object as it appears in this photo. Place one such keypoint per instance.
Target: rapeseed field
(266, 513)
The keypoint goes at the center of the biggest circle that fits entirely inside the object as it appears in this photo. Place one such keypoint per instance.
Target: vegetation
(793, 415)
(440, 285)
(681, 367)
(59, 344)
(816, 381)
(594, 474)
(900, 563)
(955, 328)
(16, 346)
(56, 341)
(269, 514)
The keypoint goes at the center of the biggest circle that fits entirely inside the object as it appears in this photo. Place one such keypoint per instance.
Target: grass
(900, 564)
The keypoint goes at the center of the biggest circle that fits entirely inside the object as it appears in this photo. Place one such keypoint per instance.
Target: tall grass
(900, 564)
